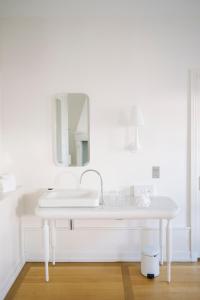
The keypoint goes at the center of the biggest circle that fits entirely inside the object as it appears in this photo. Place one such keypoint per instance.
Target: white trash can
(150, 262)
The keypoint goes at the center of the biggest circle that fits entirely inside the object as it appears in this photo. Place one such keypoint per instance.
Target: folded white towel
(7, 183)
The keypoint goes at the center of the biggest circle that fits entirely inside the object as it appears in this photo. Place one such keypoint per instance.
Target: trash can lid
(150, 251)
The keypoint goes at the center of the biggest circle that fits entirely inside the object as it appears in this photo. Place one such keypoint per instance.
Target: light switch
(155, 172)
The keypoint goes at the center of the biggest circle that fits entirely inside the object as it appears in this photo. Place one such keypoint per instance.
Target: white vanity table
(71, 121)
(161, 208)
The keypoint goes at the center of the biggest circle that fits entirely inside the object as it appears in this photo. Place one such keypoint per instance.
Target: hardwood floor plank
(105, 281)
(128, 292)
(185, 283)
(72, 282)
(17, 282)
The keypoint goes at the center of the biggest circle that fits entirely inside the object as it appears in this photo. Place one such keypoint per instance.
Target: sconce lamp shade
(137, 118)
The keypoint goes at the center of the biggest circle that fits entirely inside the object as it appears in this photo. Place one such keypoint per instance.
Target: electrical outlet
(138, 190)
(155, 172)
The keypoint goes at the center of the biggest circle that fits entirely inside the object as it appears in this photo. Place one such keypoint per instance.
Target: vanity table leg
(46, 248)
(53, 241)
(168, 244)
(161, 240)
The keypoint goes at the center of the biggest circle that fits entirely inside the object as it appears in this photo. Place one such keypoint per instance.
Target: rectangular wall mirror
(72, 136)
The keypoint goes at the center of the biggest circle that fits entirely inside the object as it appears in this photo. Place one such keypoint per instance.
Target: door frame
(193, 172)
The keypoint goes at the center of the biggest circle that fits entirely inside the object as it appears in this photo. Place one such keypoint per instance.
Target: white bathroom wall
(1, 115)
(120, 53)
(11, 260)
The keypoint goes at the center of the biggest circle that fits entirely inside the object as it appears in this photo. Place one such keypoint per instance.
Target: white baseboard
(179, 256)
(80, 257)
(77, 252)
(194, 256)
(8, 282)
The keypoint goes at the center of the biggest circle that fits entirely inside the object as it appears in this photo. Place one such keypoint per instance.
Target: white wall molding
(135, 228)
(178, 256)
(194, 78)
(120, 243)
(11, 260)
(9, 280)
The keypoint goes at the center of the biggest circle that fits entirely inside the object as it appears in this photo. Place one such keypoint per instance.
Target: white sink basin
(69, 198)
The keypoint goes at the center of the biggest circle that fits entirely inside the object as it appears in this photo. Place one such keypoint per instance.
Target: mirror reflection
(72, 129)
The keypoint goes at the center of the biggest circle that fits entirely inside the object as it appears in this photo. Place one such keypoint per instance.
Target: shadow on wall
(29, 202)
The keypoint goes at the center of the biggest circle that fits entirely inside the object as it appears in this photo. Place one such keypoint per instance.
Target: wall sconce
(136, 121)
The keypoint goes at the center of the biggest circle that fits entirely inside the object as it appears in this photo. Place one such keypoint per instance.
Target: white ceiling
(140, 8)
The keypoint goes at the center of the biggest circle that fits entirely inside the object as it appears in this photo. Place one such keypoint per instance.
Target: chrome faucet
(101, 180)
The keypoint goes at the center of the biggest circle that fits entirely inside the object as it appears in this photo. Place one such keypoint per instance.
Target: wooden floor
(105, 281)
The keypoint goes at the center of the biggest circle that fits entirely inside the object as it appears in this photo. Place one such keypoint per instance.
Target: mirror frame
(62, 97)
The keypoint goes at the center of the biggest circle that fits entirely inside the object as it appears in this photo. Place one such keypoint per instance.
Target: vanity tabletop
(160, 208)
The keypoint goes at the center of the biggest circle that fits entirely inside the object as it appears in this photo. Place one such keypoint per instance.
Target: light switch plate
(155, 172)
